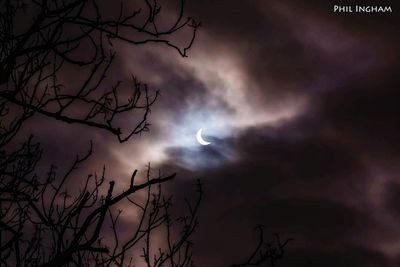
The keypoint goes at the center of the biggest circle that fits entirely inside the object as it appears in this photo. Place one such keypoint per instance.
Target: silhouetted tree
(42, 222)
(266, 251)
(42, 39)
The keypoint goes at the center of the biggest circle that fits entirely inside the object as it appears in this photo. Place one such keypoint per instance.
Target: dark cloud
(287, 47)
(293, 187)
(392, 199)
(344, 256)
(367, 111)
(323, 178)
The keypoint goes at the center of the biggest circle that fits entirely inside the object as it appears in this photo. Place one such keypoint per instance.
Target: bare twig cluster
(42, 39)
(44, 224)
(270, 251)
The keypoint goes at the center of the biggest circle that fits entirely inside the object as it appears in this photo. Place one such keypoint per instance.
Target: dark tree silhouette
(61, 35)
(265, 251)
(42, 221)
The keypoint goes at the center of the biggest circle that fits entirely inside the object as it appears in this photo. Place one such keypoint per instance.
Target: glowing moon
(200, 138)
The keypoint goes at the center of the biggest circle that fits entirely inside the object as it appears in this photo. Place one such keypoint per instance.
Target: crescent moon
(200, 138)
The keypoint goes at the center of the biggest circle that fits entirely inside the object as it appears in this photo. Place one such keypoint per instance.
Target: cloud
(301, 108)
(320, 176)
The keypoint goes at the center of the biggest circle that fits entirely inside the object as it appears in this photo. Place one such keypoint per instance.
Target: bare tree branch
(59, 37)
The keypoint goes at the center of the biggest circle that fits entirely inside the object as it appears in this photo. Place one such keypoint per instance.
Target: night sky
(301, 108)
